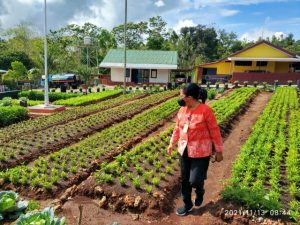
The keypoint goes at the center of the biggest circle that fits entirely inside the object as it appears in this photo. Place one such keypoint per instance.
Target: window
(261, 63)
(243, 63)
(210, 71)
(127, 72)
(153, 73)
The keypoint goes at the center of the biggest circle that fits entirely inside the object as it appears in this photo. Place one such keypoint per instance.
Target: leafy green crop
(46, 217)
(10, 207)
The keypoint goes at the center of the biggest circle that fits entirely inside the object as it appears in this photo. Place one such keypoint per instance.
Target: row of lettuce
(269, 158)
(26, 145)
(30, 126)
(11, 208)
(147, 165)
(11, 113)
(64, 164)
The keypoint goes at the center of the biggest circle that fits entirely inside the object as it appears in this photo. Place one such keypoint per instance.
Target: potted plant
(226, 86)
(255, 83)
(208, 84)
(236, 83)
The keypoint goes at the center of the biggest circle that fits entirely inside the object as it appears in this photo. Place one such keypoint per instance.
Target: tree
(197, 42)
(6, 59)
(18, 72)
(34, 74)
(85, 74)
(20, 38)
(228, 43)
(135, 33)
(155, 42)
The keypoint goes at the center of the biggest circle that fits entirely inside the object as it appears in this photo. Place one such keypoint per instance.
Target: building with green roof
(143, 66)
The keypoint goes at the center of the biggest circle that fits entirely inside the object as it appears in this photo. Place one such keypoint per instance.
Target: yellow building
(260, 62)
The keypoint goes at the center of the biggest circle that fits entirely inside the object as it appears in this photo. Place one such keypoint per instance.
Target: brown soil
(39, 193)
(210, 212)
(35, 151)
(13, 136)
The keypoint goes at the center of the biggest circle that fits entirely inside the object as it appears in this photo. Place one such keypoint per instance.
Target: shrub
(12, 114)
(53, 96)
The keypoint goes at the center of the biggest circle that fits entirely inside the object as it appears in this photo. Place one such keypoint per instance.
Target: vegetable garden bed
(48, 176)
(145, 176)
(266, 176)
(29, 147)
(44, 122)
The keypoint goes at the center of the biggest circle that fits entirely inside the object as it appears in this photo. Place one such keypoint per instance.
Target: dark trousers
(193, 174)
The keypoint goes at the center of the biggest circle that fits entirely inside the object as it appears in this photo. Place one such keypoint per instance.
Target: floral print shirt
(197, 129)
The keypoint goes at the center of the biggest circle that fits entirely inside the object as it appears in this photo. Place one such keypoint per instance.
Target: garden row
(39, 95)
(147, 168)
(266, 172)
(13, 114)
(28, 147)
(88, 99)
(72, 164)
(43, 122)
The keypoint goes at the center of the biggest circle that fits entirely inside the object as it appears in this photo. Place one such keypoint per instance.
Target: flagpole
(46, 97)
(125, 30)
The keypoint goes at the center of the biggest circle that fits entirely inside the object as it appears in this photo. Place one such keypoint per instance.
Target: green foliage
(10, 207)
(211, 94)
(88, 99)
(6, 101)
(136, 182)
(6, 59)
(12, 114)
(155, 181)
(44, 217)
(85, 74)
(33, 205)
(53, 96)
(18, 72)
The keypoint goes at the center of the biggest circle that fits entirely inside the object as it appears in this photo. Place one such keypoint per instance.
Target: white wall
(117, 74)
(162, 77)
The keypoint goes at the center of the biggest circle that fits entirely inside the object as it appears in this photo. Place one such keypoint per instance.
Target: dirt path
(217, 174)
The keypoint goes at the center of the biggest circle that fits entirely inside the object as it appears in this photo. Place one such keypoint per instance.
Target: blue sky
(249, 19)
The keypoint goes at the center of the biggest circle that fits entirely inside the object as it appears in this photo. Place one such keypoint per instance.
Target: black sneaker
(198, 201)
(183, 210)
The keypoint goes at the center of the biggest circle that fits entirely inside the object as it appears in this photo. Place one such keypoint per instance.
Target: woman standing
(197, 132)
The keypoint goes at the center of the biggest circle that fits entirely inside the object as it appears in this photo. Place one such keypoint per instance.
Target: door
(134, 75)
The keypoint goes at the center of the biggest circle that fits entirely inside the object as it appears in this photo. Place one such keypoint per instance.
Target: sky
(249, 19)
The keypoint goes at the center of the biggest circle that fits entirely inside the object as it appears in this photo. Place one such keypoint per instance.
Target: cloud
(159, 3)
(184, 23)
(104, 13)
(205, 3)
(30, 2)
(228, 12)
(256, 34)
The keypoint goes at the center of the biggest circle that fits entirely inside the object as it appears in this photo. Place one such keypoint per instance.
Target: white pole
(45, 56)
(125, 29)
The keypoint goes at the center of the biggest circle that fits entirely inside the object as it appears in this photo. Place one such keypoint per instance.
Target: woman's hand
(219, 156)
(170, 149)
